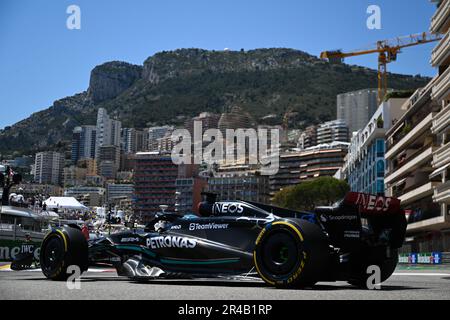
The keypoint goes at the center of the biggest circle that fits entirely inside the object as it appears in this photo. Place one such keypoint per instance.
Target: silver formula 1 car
(285, 248)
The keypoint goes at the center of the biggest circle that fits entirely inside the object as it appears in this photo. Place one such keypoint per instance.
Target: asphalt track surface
(405, 284)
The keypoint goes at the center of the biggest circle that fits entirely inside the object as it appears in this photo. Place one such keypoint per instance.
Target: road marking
(421, 274)
(6, 266)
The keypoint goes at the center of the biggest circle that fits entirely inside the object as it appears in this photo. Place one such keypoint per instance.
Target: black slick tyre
(62, 248)
(291, 253)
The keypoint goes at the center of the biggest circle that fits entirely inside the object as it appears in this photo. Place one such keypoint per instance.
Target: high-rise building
(409, 153)
(208, 120)
(418, 152)
(236, 118)
(288, 173)
(239, 181)
(357, 107)
(188, 194)
(308, 138)
(321, 160)
(163, 145)
(332, 131)
(107, 131)
(154, 183)
(441, 121)
(74, 176)
(115, 192)
(155, 133)
(364, 166)
(248, 188)
(49, 167)
(83, 143)
(133, 140)
(109, 161)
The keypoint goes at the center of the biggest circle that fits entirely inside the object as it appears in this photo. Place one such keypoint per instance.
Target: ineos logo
(228, 208)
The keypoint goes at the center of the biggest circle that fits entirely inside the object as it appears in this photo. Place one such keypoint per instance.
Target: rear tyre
(291, 253)
(359, 276)
(62, 248)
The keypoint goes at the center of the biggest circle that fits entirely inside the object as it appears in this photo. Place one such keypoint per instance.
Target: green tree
(307, 195)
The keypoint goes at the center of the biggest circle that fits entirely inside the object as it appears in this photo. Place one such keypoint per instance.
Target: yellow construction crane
(387, 52)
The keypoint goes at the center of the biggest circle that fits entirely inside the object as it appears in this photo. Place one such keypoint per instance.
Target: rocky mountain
(172, 86)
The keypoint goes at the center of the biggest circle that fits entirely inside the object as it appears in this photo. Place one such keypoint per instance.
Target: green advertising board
(10, 248)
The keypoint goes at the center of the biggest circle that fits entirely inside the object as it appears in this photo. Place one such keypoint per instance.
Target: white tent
(69, 203)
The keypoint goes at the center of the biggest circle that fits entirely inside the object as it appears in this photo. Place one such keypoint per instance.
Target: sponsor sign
(130, 239)
(227, 207)
(171, 242)
(369, 203)
(207, 226)
(10, 248)
(421, 258)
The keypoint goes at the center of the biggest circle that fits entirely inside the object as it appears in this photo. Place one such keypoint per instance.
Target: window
(380, 186)
(380, 168)
(380, 148)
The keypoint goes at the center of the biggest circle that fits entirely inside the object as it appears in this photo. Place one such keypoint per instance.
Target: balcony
(418, 161)
(418, 193)
(442, 193)
(441, 53)
(433, 224)
(441, 156)
(442, 120)
(440, 20)
(441, 87)
(412, 135)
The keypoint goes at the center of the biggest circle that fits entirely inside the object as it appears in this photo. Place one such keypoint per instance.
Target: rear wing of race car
(369, 204)
(381, 217)
(384, 216)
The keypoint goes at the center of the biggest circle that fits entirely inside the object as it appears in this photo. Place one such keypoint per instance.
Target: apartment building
(364, 167)
(321, 160)
(418, 151)
(154, 183)
(83, 143)
(107, 131)
(440, 94)
(133, 140)
(48, 168)
(115, 191)
(308, 138)
(249, 188)
(288, 173)
(108, 161)
(188, 194)
(357, 107)
(331, 131)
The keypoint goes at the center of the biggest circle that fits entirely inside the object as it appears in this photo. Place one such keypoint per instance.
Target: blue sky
(41, 60)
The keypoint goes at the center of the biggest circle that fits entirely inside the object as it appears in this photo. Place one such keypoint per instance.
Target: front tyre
(62, 248)
(291, 253)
